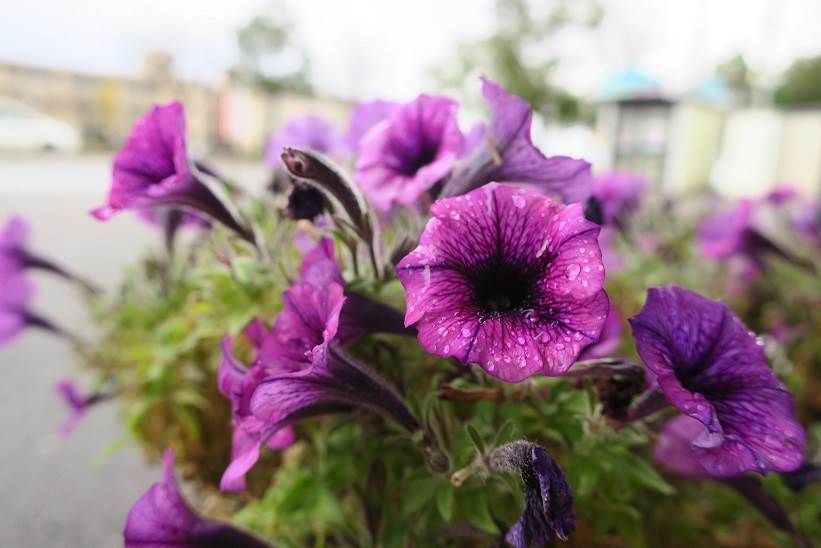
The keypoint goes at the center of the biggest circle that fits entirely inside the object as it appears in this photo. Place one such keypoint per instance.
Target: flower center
(414, 162)
(500, 287)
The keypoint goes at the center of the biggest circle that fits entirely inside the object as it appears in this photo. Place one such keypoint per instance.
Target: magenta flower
(153, 169)
(77, 405)
(505, 278)
(548, 512)
(365, 116)
(162, 518)
(713, 369)
(15, 295)
(509, 156)
(727, 233)
(619, 194)
(237, 383)
(781, 195)
(315, 311)
(311, 132)
(414, 148)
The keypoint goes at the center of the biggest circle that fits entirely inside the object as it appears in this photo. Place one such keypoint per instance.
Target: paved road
(55, 492)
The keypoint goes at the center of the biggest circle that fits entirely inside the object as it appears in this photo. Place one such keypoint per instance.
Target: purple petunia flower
(15, 295)
(713, 369)
(508, 279)
(548, 512)
(509, 156)
(781, 195)
(674, 450)
(153, 169)
(315, 311)
(619, 194)
(364, 116)
(311, 132)
(410, 151)
(609, 338)
(727, 233)
(76, 403)
(807, 221)
(237, 383)
(162, 518)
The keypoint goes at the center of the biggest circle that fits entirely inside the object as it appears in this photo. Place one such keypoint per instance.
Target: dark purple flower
(153, 169)
(76, 403)
(714, 370)
(410, 151)
(609, 338)
(619, 194)
(365, 116)
(311, 132)
(305, 202)
(162, 518)
(509, 156)
(508, 279)
(548, 512)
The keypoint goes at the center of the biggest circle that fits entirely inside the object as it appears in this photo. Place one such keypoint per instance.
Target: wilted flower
(311, 132)
(162, 517)
(153, 169)
(619, 194)
(548, 512)
(364, 116)
(508, 155)
(508, 279)
(714, 370)
(410, 151)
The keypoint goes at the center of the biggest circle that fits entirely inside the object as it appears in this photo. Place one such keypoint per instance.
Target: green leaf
(444, 501)
(476, 439)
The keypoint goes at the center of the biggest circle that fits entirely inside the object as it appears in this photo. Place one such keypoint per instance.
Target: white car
(23, 128)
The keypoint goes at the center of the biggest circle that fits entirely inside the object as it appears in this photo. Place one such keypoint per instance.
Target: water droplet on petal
(467, 332)
(518, 201)
(572, 271)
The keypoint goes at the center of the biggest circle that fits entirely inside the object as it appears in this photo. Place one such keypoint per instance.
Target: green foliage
(358, 480)
(514, 53)
(801, 84)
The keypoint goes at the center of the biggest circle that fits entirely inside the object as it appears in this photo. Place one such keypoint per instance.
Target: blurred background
(692, 94)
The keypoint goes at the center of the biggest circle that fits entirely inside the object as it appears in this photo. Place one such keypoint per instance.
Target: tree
(269, 56)
(518, 55)
(736, 74)
(801, 83)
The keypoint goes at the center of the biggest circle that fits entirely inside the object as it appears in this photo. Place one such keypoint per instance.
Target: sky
(386, 48)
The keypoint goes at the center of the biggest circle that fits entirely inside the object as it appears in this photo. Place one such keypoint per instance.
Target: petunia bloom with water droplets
(507, 154)
(508, 279)
(410, 151)
(548, 512)
(153, 169)
(713, 369)
(162, 518)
